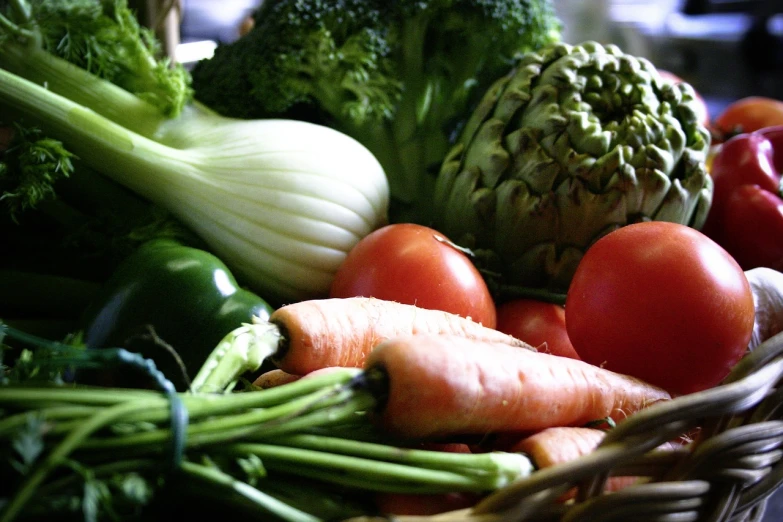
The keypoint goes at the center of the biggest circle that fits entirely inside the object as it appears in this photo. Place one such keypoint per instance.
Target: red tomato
(417, 265)
(750, 114)
(702, 109)
(538, 323)
(661, 302)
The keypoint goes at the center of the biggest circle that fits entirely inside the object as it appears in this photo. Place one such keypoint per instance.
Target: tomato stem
(506, 292)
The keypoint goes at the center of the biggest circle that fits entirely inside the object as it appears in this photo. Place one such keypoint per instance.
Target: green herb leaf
(28, 444)
(253, 467)
(134, 488)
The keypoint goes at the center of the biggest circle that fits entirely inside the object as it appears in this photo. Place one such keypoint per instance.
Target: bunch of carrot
(435, 376)
(362, 384)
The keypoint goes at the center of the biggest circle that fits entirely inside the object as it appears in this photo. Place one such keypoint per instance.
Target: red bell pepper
(746, 216)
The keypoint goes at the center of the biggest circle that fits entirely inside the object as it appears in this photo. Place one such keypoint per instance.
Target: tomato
(750, 114)
(538, 323)
(417, 265)
(701, 106)
(661, 302)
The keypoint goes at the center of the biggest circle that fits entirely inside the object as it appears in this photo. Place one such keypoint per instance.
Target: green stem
(243, 350)
(136, 162)
(101, 470)
(340, 413)
(28, 397)
(373, 474)
(523, 292)
(73, 82)
(198, 406)
(61, 451)
(12, 422)
(221, 429)
(214, 478)
(508, 465)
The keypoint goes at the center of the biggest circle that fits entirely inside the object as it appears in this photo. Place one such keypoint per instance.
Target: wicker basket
(726, 474)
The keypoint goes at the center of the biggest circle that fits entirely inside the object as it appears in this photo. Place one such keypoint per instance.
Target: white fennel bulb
(280, 201)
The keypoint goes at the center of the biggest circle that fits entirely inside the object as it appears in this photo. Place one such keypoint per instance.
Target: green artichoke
(577, 141)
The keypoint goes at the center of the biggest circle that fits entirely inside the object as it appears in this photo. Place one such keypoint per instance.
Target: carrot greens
(97, 453)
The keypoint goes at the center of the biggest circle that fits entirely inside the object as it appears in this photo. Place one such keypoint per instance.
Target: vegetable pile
(371, 259)
(282, 201)
(576, 142)
(398, 76)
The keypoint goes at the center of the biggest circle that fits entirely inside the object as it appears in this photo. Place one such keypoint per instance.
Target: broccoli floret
(333, 53)
(399, 76)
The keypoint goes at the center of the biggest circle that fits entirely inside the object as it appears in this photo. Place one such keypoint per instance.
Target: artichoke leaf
(574, 142)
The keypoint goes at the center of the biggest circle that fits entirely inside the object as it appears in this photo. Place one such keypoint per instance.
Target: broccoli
(400, 76)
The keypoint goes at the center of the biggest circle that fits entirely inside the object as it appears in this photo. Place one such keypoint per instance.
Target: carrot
(277, 377)
(342, 331)
(445, 385)
(559, 444)
(302, 337)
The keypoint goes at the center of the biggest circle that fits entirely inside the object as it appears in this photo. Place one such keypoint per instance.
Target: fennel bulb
(280, 201)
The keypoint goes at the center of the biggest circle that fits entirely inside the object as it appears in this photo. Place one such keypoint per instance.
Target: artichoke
(576, 141)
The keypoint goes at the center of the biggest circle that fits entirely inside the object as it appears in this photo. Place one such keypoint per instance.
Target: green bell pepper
(171, 303)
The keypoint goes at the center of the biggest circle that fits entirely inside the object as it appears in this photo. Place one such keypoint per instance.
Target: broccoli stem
(73, 82)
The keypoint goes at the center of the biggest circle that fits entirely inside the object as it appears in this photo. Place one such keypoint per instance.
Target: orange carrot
(445, 385)
(558, 445)
(277, 377)
(342, 331)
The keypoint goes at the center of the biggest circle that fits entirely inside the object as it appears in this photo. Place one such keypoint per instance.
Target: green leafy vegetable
(280, 201)
(576, 142)
(102, 37)
(399, 76)
(236, 447)
(29, 167)
(28, 444)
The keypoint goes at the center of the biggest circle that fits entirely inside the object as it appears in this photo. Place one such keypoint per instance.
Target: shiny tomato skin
(415, 264)
(661, 302)
(538, 323)
(750, 114)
